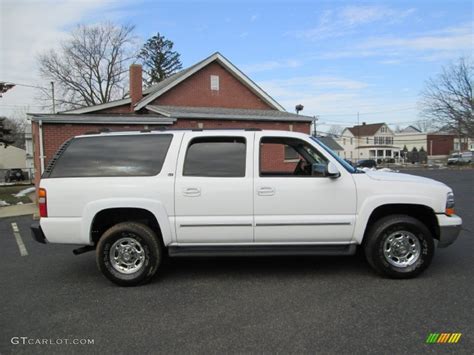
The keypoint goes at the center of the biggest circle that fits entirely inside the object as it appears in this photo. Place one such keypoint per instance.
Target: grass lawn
(7, 192)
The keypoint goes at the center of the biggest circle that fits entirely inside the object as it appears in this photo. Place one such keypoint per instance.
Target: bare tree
(335, 130)
(89, 67)
(424, 125)
(448, 98)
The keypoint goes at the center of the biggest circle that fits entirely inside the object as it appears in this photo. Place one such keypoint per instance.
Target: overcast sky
(336, 58)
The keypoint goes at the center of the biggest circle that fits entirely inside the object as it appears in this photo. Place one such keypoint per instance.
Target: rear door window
(215, 157)
(121, 155)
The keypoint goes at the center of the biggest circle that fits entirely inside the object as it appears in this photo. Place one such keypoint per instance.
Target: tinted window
(216, 157)
(275, 154)
(127, 155)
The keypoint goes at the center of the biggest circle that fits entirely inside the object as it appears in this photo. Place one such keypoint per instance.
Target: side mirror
(333, 171)
(323, 170)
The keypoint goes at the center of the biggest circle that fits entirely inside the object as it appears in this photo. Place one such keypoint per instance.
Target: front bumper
(37, 233)
(449, 229)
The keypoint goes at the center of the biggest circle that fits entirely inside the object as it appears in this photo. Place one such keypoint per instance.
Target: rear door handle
(266, 191)
(192, 191)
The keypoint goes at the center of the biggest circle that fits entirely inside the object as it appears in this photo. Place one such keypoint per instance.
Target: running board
(260, 250)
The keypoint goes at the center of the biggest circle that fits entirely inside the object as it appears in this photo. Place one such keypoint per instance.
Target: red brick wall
(196, 91)
(440, 144)
(56, 134)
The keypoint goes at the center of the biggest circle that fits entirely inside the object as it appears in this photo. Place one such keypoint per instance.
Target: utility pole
(358, 137)
(315, 132)
(52, 96)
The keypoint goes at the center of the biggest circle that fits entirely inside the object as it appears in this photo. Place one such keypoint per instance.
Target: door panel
(300, 208)
(214, 209)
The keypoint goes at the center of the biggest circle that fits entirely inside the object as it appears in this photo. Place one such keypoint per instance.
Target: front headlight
(450, 204)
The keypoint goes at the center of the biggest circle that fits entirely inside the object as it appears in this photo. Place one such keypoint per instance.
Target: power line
(369, 113)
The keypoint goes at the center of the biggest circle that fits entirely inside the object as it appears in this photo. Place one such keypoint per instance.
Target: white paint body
(246, 210)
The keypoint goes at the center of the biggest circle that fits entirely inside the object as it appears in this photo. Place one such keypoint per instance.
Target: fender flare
(372, 203)
(153, 206)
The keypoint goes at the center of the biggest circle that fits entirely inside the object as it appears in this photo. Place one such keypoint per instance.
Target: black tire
(388, 226)
(135, 236)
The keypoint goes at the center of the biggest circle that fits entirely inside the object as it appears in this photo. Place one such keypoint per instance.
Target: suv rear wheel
(399, 246)
(129, 254)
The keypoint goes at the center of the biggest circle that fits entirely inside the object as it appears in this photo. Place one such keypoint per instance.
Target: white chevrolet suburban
(135, 197)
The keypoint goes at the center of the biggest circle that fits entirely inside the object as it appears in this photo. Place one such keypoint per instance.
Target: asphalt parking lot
(297, 305)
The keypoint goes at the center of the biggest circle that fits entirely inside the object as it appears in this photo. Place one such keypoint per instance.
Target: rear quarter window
(127, 155)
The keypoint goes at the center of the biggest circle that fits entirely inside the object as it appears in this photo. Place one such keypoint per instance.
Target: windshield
(344, 163)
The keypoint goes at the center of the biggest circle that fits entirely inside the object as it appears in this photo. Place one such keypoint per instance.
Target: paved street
(298, 305)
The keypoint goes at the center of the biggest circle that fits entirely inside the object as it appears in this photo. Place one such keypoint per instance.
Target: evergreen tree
(158, 59)
(4, 132)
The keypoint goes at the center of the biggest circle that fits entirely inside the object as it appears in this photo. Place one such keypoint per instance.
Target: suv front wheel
(399, 246)
(129, 254)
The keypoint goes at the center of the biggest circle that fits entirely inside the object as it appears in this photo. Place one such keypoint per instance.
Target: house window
(290, 153)
(367, 140)
(215, 82)
(351, 141)
(344, 141)
(388, 153)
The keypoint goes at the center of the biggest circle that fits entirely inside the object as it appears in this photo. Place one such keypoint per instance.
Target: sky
(339, 59)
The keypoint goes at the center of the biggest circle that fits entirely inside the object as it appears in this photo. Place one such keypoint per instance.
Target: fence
(17, 176)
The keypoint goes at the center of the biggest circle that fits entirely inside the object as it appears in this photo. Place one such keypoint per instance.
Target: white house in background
(368, 141)
(467, 144)
(12, 157)
(411, 137)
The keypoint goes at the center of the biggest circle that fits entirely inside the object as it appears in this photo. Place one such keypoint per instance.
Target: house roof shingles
(365, 129)
(169, 114)
(102, 119)
(226, 113)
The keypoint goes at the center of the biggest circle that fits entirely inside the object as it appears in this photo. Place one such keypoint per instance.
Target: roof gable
(159, 89)
(366, 129)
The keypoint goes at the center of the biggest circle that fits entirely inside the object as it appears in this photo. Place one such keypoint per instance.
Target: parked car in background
(367, 163)
(14, 175)
(460, 158)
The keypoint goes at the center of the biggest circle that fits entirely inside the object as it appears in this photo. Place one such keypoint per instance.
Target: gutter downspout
(40, 126)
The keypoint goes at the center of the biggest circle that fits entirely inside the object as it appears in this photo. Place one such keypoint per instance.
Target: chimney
(136, 89)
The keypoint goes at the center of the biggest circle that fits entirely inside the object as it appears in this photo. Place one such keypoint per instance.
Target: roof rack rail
(206, 129)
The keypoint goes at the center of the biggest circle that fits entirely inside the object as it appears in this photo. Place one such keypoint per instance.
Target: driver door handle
(192, 191)
(266, 191)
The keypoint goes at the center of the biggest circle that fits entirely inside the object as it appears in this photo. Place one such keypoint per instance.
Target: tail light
(43, 207)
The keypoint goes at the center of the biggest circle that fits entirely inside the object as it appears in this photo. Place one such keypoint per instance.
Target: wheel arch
(101, 215)
(423, 213)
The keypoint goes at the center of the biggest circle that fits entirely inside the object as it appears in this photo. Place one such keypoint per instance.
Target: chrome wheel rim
(402, 248)
(127, 255)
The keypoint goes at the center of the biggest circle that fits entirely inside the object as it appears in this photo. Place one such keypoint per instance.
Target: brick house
(212, 93)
